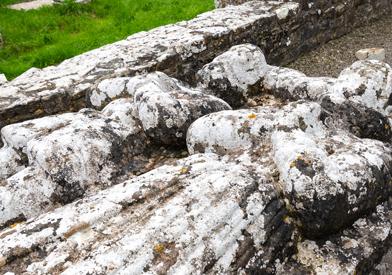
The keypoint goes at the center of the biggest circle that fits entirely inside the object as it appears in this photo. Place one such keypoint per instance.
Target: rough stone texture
(179, 50)
(167, 221)
(64, 157)
(234, 74)
(356, 250)
(282, 30)
(57, 159)
(372, 54)
(328, 177)
(298, 183)
(164, 106)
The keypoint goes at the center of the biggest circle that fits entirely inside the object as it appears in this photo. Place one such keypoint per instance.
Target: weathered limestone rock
(234, 74)
(205, 213)
(371, 54)
(120, 87)
(330, 180)
(356, 250)
(241, 130)
(179, 50)
(366, 82)
(76, 154)
(163, 105)
(293, 85)
(328, 176)
(166, 115)
(66, 157)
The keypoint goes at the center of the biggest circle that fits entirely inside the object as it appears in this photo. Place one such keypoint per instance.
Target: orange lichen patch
(159, 248)
(76, 229)
(252, 116)
(14, 225)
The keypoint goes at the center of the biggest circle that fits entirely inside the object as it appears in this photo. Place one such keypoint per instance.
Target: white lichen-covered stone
(164, 106)
(240, 130)
(203, 214)
(293, 85)
(15, 138)
(327, 175)
(366, 82)
(355, 250)
(167, 114)
(110, 89)
(330, 180)
(232, 75)
(66, 156)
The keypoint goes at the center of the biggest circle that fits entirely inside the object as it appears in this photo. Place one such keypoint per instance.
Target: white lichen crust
(206, 213)
(296, 184)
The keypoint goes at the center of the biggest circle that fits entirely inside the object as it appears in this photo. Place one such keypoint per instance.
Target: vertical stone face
(224, 3)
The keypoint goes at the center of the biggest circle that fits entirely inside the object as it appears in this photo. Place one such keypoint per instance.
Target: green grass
(39, 38)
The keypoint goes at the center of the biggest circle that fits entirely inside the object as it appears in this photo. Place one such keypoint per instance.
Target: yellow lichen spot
(293, 163)
(14, 225)
(287, 219)
(387, 127)
(184, 170)
(252, 116)
(159, 248)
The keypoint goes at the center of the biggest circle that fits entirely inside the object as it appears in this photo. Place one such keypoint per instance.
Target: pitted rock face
(164, 106)
(66, 156)
(312, 157)
(368, 82)
(112, 88)
(205, 213)
(77, 153)
(240, 130)
(329, 176)
(355, 250)
(166, 115)
(333, 179)
(232, 75)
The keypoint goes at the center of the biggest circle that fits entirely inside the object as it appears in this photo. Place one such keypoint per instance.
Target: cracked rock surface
(295, 181)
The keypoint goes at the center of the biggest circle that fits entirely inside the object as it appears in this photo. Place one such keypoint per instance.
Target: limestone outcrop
(295, 180)
(55, 160)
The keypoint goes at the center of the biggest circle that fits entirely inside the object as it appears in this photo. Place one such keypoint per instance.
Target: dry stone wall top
(283, 30)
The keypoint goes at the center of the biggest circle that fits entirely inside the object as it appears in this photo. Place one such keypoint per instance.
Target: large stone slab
(206, 213)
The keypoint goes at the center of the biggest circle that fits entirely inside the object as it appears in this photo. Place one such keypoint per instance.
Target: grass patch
(47, 36)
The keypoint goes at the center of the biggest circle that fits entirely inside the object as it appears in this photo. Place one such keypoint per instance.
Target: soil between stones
(331, 58)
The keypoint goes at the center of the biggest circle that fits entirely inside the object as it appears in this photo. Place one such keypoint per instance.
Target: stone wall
(282, 30)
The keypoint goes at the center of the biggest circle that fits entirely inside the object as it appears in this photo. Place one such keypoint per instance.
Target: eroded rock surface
(297, 183)
(168, 220)
(234, 74)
